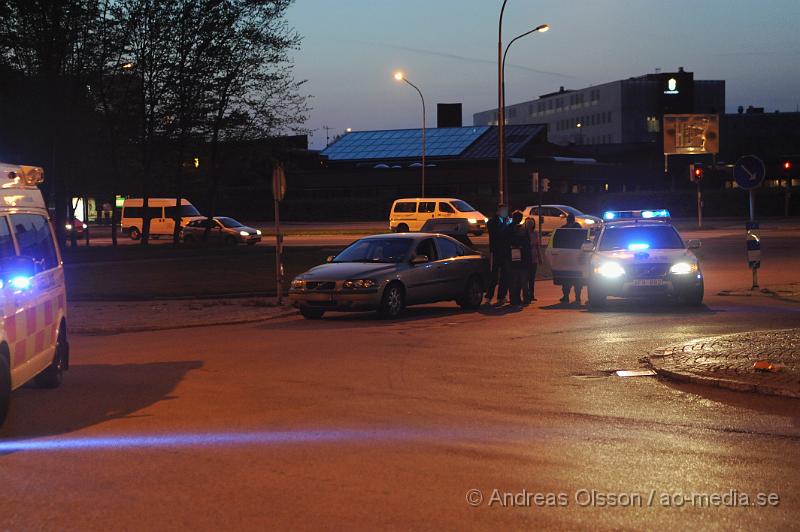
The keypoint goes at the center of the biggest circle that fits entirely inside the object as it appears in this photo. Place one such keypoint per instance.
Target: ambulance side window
(6, 243)
(35, 240)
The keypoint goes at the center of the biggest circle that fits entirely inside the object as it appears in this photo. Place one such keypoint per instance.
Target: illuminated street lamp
(501, 103)
(399, 76)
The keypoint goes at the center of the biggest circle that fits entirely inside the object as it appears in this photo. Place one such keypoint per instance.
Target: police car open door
(565, 257)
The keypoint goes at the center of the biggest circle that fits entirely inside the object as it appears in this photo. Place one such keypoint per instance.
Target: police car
(33, 332)
(640, 254)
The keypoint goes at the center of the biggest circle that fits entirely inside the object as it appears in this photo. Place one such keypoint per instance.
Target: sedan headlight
(244, 233)
(258, 232)
(610, 270)
(472, 220)
(68, 227)
(588, 221)
(360, 284)
(298, 284)
(683, 268)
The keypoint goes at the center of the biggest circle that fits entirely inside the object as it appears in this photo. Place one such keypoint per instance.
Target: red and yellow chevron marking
(32, 330)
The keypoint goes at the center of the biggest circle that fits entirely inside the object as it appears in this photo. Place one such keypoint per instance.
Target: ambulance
(33, 331)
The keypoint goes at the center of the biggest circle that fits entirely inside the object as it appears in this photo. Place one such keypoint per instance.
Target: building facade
(619, 112)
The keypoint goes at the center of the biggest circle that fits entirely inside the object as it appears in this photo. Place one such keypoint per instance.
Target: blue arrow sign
(749, 172)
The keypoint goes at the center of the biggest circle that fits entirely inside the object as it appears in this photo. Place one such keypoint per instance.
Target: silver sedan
(388, 272)
(220, 229)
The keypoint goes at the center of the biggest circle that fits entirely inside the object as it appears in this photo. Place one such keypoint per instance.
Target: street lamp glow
(399, 76)
(543, 28)
(349, 129)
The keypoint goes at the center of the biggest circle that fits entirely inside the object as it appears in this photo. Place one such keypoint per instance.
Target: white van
(33, 336)
(410, 214)
(162, 216)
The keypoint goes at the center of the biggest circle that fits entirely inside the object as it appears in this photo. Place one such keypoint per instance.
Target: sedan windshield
(228, 222)
(571, 210)
(640, 238)
(376, 250)
(462, 206)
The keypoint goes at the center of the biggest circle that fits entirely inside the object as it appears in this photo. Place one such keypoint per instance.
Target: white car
(642, 258)
(555, 216)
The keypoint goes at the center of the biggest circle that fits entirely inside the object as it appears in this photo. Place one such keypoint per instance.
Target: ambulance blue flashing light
(21, 282)
(609, 215)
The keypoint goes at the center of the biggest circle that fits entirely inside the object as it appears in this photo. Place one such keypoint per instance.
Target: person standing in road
(497, 257)
(576, 284)
(536, 255)
(519, 261)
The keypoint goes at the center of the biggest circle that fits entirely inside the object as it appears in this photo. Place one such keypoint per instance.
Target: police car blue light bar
(650, 214)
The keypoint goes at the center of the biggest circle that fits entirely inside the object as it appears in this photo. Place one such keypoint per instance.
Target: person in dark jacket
(536, 255)
(497, 257)
(576, 284)
(519, 261)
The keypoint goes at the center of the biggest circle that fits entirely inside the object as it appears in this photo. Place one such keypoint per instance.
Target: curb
(110, 331)
(714, 382)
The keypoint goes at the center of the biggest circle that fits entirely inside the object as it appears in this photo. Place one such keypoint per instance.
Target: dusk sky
(448, 49)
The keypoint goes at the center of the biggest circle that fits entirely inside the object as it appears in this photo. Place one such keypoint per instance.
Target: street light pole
(399, 76)
(501, 115)
(501, 103)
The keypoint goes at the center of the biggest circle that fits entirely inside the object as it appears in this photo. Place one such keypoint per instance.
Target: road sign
(749, 172)
(278, 182)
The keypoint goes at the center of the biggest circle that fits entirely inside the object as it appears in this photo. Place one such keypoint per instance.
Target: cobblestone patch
(727, 362)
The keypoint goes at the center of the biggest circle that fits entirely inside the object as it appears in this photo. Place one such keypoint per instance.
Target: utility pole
(327, 135)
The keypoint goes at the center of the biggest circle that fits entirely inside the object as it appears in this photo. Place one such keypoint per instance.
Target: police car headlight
(298, 284)
(683, 268)
(610, 270)
(258, 232)
(360, 284)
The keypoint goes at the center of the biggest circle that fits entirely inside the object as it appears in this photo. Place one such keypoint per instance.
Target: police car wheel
(5, 387)
(694, 298)
(393, 301)
(52, 376)
(311, 313)
(597, 298)
(134, 233)
(473, 293)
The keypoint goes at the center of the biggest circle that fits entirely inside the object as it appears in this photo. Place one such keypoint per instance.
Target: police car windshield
(640, 238)
(229, 222)
(462, 206)
(376, 250)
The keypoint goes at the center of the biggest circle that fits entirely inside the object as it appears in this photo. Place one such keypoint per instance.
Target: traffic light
(787, 166)
(696, 172)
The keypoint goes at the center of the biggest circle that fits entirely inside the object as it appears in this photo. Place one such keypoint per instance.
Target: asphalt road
(356, 423)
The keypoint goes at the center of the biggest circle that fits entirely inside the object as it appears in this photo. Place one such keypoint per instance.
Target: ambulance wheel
(597, 298)
(52, 376)
(473, 294)
(402, 228)
(5, 385)
(134, 233)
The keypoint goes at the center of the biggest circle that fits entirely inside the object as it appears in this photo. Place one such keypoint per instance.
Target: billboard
(691, 134)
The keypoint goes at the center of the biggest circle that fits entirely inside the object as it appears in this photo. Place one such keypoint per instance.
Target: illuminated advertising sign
(691, 134)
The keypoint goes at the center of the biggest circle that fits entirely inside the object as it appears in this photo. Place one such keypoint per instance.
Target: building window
(653, 124)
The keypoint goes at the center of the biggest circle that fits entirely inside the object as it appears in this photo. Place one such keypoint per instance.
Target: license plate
(648, 282)
(319, 297)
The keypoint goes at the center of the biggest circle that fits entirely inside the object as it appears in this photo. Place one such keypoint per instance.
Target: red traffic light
(698, 172)
(787, 165)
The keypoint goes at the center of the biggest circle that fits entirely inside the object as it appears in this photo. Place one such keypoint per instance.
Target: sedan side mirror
(419, 259)
(587, 246)
(693, 244)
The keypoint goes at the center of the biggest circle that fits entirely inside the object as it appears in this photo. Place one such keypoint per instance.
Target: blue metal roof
(403, 143)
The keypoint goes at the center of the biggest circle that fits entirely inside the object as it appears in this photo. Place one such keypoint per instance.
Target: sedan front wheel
(393, 301)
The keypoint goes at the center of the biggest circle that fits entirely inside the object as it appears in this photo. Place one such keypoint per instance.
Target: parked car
(554, 216)
(222, 230)
(388, 272)
(410, 214)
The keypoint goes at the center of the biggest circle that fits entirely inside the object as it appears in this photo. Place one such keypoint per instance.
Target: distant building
(620, 112)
